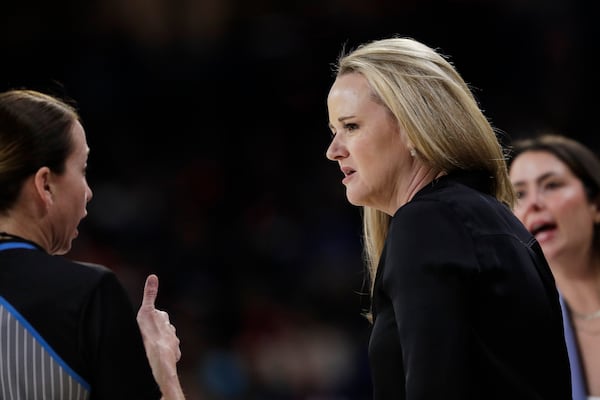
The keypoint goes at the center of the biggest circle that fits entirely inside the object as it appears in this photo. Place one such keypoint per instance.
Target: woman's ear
(43, 185)
(409, 145)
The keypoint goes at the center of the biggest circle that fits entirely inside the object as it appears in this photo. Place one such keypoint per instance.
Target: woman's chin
(355, 200)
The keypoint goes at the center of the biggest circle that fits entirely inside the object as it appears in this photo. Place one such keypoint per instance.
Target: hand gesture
(160, 341)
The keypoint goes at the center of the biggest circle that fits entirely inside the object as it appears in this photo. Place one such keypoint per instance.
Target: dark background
(207, 125)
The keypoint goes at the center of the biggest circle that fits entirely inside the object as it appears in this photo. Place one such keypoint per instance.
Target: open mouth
(348, 171)
(545, 227)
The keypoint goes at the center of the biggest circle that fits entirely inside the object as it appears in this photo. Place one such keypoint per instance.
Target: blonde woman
(464, 305)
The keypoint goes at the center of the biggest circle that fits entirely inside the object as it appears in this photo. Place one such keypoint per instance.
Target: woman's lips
(545, 236)
(348, 173)
(544, 232)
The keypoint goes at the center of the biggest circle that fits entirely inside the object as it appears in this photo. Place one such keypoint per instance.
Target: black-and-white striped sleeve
(29, 367)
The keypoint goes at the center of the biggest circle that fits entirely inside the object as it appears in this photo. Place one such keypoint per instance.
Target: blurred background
(207, 125)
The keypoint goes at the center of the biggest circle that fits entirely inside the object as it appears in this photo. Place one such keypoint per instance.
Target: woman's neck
(579, 283)
(13, 231)
(422, 177)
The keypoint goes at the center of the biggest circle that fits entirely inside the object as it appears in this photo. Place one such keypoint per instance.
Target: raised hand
(160, 341)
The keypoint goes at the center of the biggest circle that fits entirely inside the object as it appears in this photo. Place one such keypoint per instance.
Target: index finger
(150, 291)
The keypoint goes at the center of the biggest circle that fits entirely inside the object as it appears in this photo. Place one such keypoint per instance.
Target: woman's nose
(336, 150)
(537, 200)
(89, 195)
(534, 201)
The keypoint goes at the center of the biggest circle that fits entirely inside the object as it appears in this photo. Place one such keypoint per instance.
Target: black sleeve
(430, 265)
(114, 347)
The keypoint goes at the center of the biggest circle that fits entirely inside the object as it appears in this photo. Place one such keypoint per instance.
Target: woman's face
(553, 204)
(368, 144)
(70, 195)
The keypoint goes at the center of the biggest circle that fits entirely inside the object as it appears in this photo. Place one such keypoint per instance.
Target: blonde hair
(439, 114)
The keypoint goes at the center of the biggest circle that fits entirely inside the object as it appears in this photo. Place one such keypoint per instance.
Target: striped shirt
(29, 367)
(67, 331)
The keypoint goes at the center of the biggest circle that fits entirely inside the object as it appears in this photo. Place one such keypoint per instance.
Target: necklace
(586, 317)
(10, 236)
(4, 236)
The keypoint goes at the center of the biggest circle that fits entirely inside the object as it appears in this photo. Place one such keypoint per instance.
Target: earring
(413, 153)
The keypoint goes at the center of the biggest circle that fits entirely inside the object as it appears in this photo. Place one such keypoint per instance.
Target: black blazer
(464, 303)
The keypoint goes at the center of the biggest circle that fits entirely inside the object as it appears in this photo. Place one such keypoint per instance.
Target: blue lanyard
(16, 245)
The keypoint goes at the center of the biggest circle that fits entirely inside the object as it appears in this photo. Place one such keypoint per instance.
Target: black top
(81, 318)
(464, 303)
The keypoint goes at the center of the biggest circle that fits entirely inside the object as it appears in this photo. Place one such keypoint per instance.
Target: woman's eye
(351, 127)
(520, 194)
(552, 185)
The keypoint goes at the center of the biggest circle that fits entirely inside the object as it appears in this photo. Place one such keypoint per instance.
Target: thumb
(150, 291)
